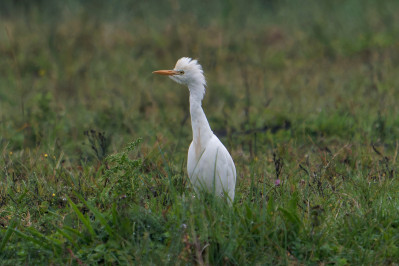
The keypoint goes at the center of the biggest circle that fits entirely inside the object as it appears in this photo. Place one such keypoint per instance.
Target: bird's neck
(202, 132)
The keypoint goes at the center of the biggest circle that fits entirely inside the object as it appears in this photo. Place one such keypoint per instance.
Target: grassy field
(304, 94)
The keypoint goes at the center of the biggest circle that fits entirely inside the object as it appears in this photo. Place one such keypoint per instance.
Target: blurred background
(303, 93)
(277, 72)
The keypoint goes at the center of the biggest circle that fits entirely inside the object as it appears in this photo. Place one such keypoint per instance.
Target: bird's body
(209, 164)
(212, 168)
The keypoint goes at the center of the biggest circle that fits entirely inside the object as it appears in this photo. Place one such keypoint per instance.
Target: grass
(93, 147)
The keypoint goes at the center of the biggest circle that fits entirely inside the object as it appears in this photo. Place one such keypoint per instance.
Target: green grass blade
(7, 234)
(98, 215)
(20, 198)
(72, 230)
(291, 217)
(32, 239)
(82, 218)
(67, 236)
(51, 242)
(114, 213)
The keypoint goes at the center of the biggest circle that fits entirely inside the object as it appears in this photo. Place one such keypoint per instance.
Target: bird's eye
(181, 72)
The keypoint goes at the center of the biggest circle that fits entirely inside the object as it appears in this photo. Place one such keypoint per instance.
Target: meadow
(93, 146)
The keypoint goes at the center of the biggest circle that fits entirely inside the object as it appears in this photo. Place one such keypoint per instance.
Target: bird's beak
(166, 72)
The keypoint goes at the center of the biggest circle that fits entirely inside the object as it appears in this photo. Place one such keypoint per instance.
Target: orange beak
(166, 72)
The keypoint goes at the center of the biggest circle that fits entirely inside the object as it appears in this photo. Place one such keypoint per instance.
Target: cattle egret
(209, 164)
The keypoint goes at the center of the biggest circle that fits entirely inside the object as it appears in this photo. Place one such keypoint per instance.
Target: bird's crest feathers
(192, 69)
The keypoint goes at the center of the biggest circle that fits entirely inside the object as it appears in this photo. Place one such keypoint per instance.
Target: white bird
(209, 164)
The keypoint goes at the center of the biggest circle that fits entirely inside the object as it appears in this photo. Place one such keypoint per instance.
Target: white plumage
(209, 164)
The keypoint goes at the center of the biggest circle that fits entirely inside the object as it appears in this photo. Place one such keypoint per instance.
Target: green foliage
(122, 176)
(303, 94)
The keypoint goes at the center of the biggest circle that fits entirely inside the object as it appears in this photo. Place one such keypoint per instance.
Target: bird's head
(187, 71)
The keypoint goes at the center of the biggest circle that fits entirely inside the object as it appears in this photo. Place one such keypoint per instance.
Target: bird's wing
(225, 169)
